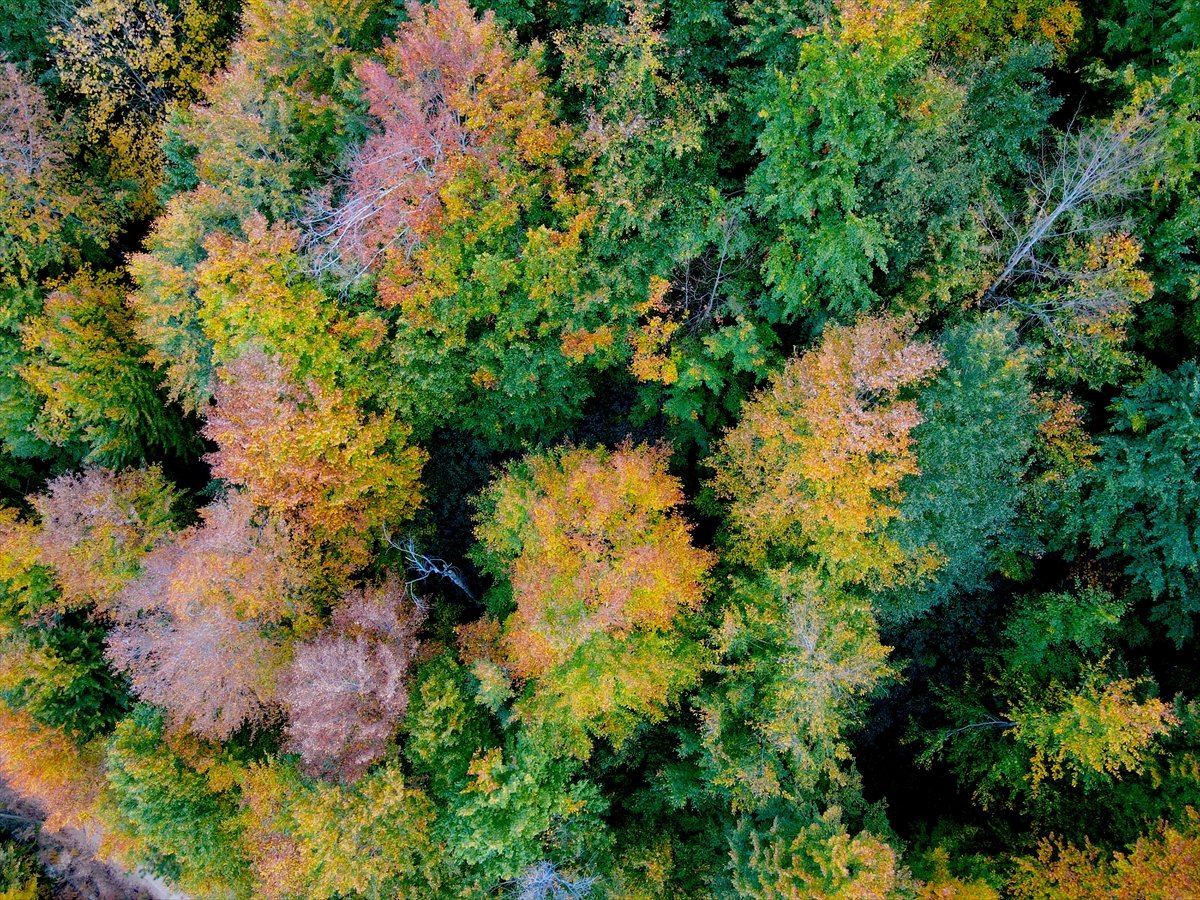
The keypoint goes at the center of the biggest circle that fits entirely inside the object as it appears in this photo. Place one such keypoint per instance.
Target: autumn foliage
(190, 627)
(451, 99)
(96, 527)
(308, 454)
(641, 449)
(592, 544)
(347, 688)
(815, 464)
(45, 766)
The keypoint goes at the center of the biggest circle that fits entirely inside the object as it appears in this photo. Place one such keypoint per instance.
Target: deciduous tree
(601, 568)
(97, 525)
(346, 689)
(814, 467)
(310, 456)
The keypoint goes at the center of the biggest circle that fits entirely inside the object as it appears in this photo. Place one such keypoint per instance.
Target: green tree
(1142, 505)
(87, 369)
(177, 822)
(862, 178)
(972, 451)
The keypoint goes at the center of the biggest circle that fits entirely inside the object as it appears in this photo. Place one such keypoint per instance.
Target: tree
(1069, 268)
(311, 457)
(49, 215)
(798, 658)
(862, 178)
(190, 630)
(814, 467)
(213, 672)
(97, 525)
(1162, 864)
(320, 840)
(972, 451)
(973, 32)
(177, 820)
(128, 59)
(1054, 705)
(1100, 730)
(42, 764)
(1141, 505)
(649, 146)
(453, 100)
(520, 803)
(463, 204)
(346, 690)
(821, 859)
(255, 293)
(602, 571)
(87, 369)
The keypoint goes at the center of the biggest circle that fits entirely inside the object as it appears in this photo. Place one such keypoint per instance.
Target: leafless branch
(423, 567)
(1087, 167)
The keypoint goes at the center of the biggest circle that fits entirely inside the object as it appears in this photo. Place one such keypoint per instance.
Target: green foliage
(861, 174)
(174, 819)
(66, 682)
(95, 391)
(520, 805)
(829, 298)
(798, 659)
(1055, 706)
(972, 451)
(1143, 505)
(21, 875)
(821, 859)
(445, 726)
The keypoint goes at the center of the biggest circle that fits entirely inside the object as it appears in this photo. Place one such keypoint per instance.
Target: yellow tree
(129, 59)
(602, 571)
(814, 466)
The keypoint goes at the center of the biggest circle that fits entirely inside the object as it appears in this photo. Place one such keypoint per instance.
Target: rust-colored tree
(452, 98)
(310, 456)
(43, 765)
(347, 688)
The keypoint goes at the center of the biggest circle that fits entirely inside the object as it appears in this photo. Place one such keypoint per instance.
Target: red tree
(451, 95)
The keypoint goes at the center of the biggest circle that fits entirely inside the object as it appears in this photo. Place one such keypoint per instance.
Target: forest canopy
(609, 448)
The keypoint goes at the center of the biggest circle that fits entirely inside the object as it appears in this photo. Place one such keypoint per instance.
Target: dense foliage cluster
(613, 448)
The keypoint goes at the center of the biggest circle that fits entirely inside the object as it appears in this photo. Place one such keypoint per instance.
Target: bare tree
(545, 881)
(702, 276)
(1087, 167)
(423, 567)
